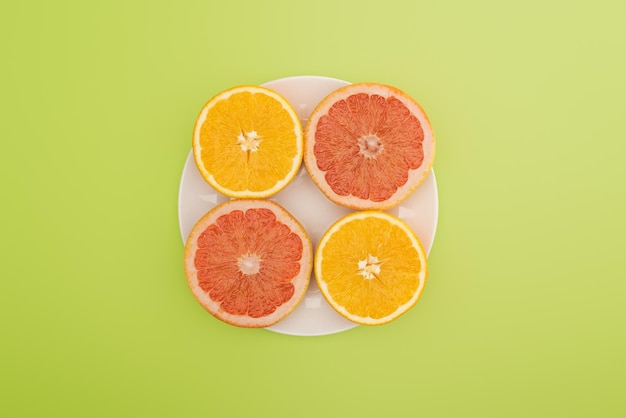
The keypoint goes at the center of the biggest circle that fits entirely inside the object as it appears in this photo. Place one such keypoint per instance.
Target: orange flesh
(357, 249)
(367, 144)
(247, 261)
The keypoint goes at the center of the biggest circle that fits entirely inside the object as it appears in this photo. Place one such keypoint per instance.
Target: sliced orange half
(371, 267)
(247, 142)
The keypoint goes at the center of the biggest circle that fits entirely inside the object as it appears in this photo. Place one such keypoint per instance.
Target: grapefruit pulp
(248, 262)
(368, 146)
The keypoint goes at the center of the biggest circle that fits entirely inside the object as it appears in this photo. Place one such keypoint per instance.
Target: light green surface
(523, 314)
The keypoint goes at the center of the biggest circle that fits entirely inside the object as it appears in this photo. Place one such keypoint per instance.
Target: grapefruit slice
(368, 146)
(371, 267)
(247, 142)
(248, 262)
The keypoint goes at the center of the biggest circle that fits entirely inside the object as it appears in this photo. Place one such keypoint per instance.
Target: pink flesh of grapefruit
(248, 262)
(368, 146)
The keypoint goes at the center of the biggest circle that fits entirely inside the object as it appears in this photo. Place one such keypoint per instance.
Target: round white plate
(316, 213)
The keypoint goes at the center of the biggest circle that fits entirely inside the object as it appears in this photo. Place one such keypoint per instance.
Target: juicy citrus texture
(352, 141)
(247, 142)
(370, 267)
(368, 146)
(248, 262)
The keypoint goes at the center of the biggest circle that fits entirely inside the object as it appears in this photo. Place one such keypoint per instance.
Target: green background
(524, 311)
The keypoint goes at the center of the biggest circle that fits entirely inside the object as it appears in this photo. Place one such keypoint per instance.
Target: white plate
(302, 198)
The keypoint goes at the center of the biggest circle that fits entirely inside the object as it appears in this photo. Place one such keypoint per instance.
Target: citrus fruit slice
(248, 262)
(368, 146)
(371, 267)
(247, 142)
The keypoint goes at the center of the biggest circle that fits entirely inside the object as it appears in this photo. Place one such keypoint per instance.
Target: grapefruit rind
(248, 194)
(300, 282)
(416, 176)
(323, 286)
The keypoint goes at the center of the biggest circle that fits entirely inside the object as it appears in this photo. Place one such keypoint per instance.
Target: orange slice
(371, 267)
(248, 262)
(247, 142)
(368, 146)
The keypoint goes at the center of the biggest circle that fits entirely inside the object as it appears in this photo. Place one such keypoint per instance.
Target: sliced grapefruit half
(368, 146)
(248, 262)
